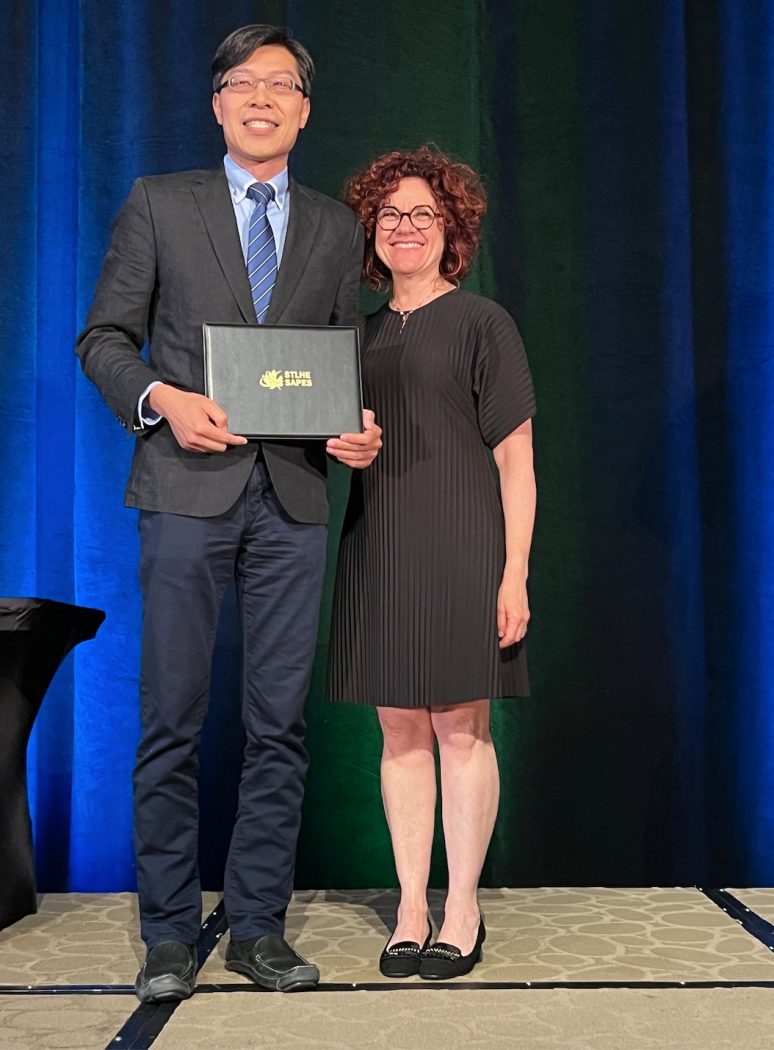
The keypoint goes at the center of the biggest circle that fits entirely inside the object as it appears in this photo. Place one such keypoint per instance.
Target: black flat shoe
(168, 973)
(272, 964)
(442, 961)
(403, 959)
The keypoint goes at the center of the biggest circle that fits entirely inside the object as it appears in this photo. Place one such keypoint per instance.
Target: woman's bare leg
(409, 793)
(470, 789)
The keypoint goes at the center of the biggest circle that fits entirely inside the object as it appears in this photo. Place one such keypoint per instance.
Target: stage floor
(563, 968)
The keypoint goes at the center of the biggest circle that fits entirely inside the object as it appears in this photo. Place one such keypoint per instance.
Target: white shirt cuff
(147, 417)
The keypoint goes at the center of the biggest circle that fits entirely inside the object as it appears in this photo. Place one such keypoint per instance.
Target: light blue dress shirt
(277, 210)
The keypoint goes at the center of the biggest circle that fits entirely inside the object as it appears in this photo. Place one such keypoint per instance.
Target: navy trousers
(185, 566)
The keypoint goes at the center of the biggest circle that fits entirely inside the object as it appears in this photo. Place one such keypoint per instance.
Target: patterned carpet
(573, 937)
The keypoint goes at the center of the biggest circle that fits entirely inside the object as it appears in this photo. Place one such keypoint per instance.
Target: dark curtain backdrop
(626, 150)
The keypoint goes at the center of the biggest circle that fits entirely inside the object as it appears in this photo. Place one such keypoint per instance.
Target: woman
(430, 607)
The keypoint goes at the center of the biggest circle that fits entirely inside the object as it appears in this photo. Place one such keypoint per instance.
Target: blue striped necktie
(261, 250)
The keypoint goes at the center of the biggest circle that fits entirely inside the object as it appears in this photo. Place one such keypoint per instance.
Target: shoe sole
(398, 976)
(166, 989)
(300, 979)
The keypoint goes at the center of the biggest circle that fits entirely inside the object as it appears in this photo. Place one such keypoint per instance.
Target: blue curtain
(626, 150)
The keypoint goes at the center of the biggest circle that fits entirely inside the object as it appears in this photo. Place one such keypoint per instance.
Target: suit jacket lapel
(300, 240)
(214, 201)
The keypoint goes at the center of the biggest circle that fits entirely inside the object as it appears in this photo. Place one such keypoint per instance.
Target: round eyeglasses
(243, 84)
(421, 217)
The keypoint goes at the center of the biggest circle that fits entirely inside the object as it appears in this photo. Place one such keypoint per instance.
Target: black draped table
(35, 636)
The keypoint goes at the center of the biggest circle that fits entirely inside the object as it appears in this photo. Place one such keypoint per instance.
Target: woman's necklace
(405, 314)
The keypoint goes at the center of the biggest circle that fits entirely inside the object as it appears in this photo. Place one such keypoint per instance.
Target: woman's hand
(513, 457)
(512, 608)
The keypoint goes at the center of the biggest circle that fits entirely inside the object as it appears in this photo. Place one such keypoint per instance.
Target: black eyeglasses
(242, 83)
(421, 217)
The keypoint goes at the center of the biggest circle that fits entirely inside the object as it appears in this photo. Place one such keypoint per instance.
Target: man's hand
(199, 425)
(358, 450)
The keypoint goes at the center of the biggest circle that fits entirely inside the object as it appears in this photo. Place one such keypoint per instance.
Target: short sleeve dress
(414, 620)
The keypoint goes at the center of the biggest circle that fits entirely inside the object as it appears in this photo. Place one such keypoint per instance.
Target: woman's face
(407, 251)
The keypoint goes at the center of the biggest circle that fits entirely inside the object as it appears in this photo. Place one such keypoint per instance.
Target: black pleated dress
(414, 618)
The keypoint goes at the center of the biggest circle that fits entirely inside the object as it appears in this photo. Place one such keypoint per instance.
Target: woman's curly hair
(459, 195)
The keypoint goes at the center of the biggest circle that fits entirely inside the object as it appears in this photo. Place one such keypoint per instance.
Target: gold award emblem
(272, 380)
(275, 379)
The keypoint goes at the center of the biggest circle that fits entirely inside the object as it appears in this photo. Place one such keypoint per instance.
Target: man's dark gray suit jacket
(175, 261)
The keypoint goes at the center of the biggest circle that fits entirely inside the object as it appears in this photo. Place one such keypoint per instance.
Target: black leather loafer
(168, 973)
(442, 961)
(402, 959)
(272, 964)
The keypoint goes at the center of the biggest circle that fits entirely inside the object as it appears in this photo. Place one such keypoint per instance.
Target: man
(213, 504)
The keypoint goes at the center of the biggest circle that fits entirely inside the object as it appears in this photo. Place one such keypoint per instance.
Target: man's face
(260, 128)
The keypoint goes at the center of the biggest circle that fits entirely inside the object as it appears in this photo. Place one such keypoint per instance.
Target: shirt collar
(239, 181)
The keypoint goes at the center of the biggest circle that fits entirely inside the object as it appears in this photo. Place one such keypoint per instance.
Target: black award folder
(285, 381)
